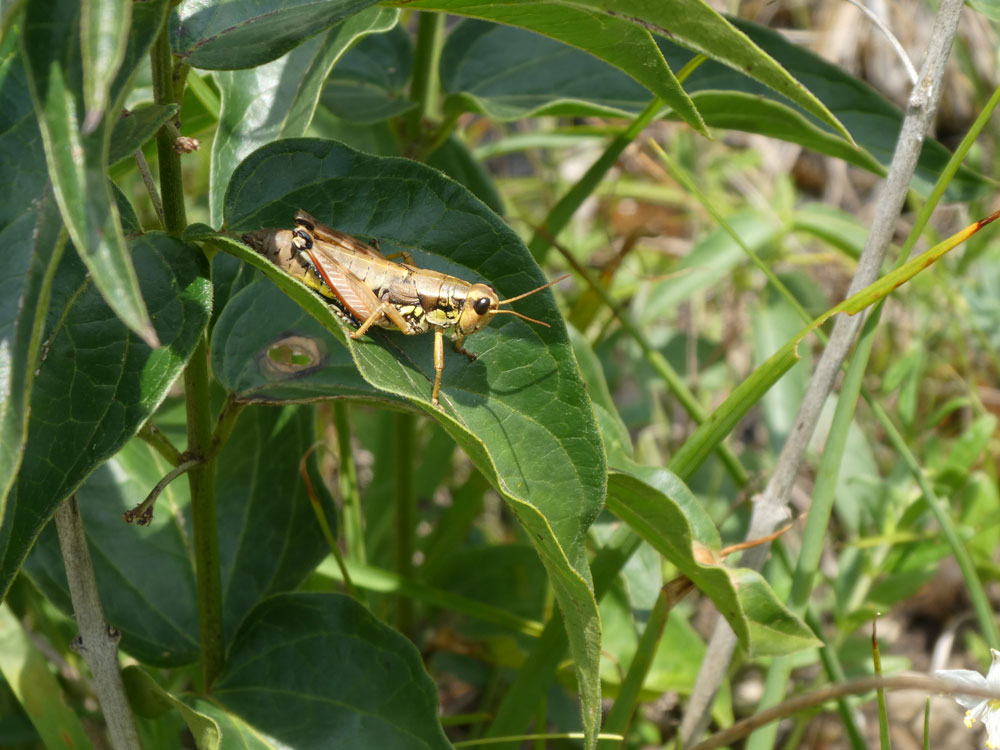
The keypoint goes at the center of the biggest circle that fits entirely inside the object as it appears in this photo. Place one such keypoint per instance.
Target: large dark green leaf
(519, 411)
(308, 671)
(269, 539)
(77, 161)
(664, 513)
(612, 31)
(233, 34)
(319, 671)
(511, 73)
(616, 36)
(277, 100)
(369, 83)
(454, 159)
(871, 119)
(97, 383)
(23, 267)
(285, 355)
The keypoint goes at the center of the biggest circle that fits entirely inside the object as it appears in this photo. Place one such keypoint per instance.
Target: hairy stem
(201, 478)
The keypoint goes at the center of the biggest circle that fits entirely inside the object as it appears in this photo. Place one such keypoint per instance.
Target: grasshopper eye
(481, 305)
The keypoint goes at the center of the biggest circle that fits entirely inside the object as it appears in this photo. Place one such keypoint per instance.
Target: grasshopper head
(482, 303)
(274, 244)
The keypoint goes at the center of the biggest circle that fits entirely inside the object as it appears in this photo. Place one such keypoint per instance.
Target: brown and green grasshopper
(375, 290)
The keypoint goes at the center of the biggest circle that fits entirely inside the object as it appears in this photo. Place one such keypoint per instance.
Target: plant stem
(347, 479)
(563, 211)
(98, 641)
(201, 479)
(426, 86)
(171, 182)
(402, 461)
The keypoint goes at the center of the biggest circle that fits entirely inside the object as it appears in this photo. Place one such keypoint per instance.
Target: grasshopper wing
(334, 237)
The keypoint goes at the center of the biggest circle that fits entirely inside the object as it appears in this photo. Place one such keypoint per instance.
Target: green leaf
(318, 670)
(710, 261)
(772, 324)
(289, 357)
(369, 83)
(753, 113)
(277, 100)
(28, 674)
(24, 281)
(665, 514)
(25, 285)
(149, 699)
(454, 159)
(97, 383)
(130, 222)
(510, 73)
(132, 131)
(603, 32)
(837, 228)
(872, 120)
(77, 162)
(104, 30)
(989, 8)
(146, 574)
(520, 411)
(699, 28)
(231, 34)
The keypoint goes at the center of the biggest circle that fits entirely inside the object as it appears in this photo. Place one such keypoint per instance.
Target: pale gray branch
(771, 508)
(97, 642)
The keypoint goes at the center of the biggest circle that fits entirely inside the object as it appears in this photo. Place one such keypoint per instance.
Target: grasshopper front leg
(456, 340)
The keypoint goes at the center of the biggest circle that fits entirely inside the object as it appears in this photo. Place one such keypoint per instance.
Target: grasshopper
(377, 291)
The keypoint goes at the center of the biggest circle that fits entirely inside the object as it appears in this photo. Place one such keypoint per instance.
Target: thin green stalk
(950, 169)
(980, 603)
(324, 525)
(681, 175)
(159, 442)
(405, 507)
(564, 209)
(835, 674)
(659, 363)
(201, 479)
(621, 712)
(828, 655)
(347, 479)
(377, 580)
(883, 718)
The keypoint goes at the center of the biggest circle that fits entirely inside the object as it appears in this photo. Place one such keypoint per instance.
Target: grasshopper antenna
(528, 294)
